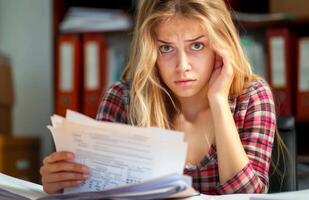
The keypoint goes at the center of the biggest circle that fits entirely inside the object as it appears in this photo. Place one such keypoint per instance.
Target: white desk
(297, 195)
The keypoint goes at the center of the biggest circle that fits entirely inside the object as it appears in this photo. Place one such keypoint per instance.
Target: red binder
(302, 105)
(280, 47)
(95, 53)
(68, 73)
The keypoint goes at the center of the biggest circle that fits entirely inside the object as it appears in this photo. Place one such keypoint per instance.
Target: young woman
(187, 72)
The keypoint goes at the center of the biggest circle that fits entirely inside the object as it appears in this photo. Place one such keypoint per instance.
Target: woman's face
(185, 59)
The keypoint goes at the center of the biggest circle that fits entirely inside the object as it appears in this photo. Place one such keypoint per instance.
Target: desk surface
(296, 195)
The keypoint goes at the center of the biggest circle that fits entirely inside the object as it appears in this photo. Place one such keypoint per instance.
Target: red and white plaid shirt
(255, 119)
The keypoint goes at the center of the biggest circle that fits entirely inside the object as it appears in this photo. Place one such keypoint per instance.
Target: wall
(26, 37)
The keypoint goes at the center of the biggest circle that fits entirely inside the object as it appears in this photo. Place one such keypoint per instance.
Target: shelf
(264, 21)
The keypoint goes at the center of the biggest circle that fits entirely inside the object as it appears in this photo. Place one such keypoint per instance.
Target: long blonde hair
(151, 103)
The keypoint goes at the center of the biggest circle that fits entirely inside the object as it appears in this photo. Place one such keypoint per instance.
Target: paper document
(118, 154)
(170, 186)
(125, 162)
(160, 188)
(23, 188)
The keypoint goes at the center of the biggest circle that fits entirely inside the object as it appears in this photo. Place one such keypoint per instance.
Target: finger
(214, 75)
(216, 71)
(64, 176)
(223, 62)
(227, 69)
(64, 166)
(218, 61)
(57, 187)
(222, 57)
(58, 156)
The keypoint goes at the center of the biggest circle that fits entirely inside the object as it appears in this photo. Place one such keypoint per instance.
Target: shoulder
(255, 110)
(257, 90)
(119, 88)
(119, 91)
(115, 102)
(258, 86)
(257, 95)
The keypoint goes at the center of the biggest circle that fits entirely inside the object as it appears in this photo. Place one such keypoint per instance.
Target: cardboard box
(19, 157)
(6, 98)
(296, 8)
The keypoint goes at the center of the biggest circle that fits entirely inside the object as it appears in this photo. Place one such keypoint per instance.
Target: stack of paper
(123, 159)
(13, 188)
(95, 19)
(173, 186)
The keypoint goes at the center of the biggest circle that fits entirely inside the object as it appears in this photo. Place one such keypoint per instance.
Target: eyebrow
(194, 39)
(190, 40)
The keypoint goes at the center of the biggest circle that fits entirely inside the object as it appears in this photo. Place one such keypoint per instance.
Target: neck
(193, 106)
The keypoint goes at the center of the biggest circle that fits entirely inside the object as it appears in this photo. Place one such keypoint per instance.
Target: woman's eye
(197, 46)
(165, 49)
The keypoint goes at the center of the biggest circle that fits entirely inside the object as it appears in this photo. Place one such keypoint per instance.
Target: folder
(95, 53)
(280, 47)
(7, 97)
(302, 105)
(68, 73)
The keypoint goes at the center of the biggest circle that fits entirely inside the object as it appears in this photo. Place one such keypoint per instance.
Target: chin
(185, 94)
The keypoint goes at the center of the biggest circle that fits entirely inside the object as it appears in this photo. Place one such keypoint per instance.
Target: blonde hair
(151, 103)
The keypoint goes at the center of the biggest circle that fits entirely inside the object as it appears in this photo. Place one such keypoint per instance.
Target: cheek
(161, 71)
(209, 65)
(206, 67)
(206, 74)
(164, 75)
(159, 64)
(164, 67)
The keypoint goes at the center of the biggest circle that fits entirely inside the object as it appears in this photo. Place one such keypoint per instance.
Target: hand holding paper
(117, 154)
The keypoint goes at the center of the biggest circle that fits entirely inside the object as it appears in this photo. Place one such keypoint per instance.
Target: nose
(183, 62)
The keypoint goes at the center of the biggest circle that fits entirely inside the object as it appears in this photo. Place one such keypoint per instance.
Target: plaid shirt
(254, 116)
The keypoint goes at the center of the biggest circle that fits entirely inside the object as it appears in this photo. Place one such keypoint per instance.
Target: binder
(302, 104)
(95, 62)
(68, 73)
(7, 97)
(280, 45)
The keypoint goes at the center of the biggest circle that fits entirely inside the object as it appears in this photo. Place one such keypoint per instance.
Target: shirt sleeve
(257, 137)
(114, 104)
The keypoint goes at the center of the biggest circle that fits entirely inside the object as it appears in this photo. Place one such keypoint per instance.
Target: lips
(184, 80)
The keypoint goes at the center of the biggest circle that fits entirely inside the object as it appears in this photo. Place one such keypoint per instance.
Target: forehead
(176, 26)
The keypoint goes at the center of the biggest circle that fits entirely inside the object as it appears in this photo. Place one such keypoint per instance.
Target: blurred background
(63, 54)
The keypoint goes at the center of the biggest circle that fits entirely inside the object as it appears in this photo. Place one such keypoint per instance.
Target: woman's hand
(221, 78)
(58, 172)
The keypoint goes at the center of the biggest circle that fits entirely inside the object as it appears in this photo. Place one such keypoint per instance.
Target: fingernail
(46, 159)
(86, 176)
